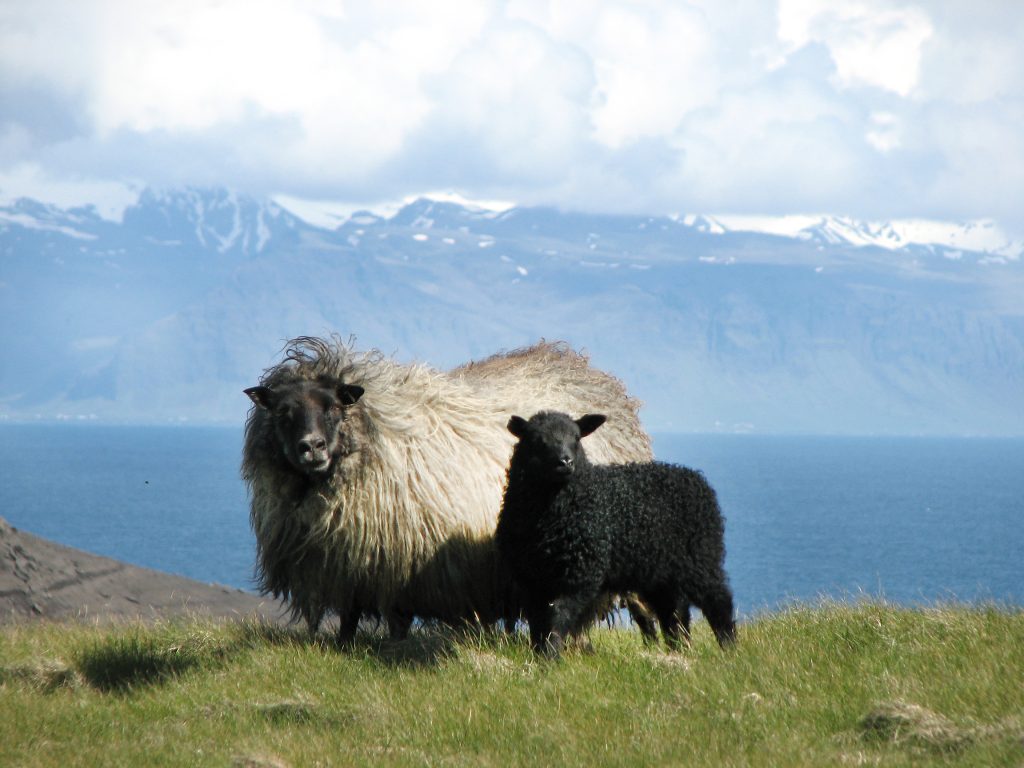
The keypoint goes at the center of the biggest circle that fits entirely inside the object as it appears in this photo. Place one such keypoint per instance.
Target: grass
(862, 684)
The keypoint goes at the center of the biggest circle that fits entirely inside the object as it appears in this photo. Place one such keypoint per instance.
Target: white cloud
(653, 62)
(29, 180)
(872, 43)
(518, 98)
(884, 133)
(872, 108)
(353, 84)
(975, 56)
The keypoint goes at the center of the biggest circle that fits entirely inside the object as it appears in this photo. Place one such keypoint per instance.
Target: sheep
(375, 486)
(571, 531)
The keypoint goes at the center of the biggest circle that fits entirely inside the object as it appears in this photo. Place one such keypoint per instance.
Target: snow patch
(262, 230)
(706, 224)
(324, 214)
(983, 235)
(30, 222)
(331, 214)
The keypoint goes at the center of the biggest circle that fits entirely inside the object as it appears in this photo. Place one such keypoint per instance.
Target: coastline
(43, 580)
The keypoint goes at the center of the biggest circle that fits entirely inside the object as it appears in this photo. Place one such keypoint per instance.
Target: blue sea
(911, 520)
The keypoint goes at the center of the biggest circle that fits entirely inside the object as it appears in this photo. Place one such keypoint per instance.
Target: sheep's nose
(312, 445)
(566, 461)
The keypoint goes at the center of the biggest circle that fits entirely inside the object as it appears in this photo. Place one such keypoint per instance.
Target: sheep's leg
(398, 625)
(313, 617)
(716, 605)
(349, 624)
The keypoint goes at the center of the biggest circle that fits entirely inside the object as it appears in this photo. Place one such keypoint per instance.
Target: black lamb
(571, 532)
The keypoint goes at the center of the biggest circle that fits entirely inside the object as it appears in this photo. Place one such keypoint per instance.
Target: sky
(874, 109)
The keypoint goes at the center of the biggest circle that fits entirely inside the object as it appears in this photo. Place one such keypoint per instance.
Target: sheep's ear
(264, 397)
(350, 393)
(517, 426)
(589, 422)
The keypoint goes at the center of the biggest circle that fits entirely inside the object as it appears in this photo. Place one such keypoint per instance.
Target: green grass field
(863, 684)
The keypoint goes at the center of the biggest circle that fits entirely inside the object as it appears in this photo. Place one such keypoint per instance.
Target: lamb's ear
(350, 393)
(517, 426)
(264, 397)
(589, 422)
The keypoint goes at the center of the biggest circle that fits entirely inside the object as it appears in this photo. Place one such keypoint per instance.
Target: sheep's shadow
(428, 644)
(125, 662)
(423, 648)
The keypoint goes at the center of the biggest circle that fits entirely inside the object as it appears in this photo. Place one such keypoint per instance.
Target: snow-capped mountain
(952, 239)
(215, 219)
(715, 323)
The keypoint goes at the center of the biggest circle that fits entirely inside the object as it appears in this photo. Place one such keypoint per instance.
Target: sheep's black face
(309, 420)
(549, 446)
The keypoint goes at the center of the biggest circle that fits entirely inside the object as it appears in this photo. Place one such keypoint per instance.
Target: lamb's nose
(567, 461)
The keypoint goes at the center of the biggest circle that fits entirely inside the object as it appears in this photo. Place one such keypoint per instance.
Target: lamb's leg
(538, 615)
(642, 617)
(716, 605)
(673, 611)
(570, 614)
(679, 637)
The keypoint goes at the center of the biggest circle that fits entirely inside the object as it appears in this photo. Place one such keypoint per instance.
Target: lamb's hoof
(551, 649)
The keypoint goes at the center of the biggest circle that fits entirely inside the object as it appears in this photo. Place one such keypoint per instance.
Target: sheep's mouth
(317, 467)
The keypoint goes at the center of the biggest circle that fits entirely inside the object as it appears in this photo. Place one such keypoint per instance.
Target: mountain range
(805, 325)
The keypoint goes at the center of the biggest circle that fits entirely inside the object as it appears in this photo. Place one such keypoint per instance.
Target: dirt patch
(911, 725)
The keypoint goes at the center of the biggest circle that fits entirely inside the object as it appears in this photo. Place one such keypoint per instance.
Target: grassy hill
(865, 684)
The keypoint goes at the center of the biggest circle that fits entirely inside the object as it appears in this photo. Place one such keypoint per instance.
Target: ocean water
(911, 520)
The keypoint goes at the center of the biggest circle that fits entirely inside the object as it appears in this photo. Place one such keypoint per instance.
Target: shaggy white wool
(407, 523)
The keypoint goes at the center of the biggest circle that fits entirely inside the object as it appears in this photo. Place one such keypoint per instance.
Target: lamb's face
(310, 422)
(550, 447)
